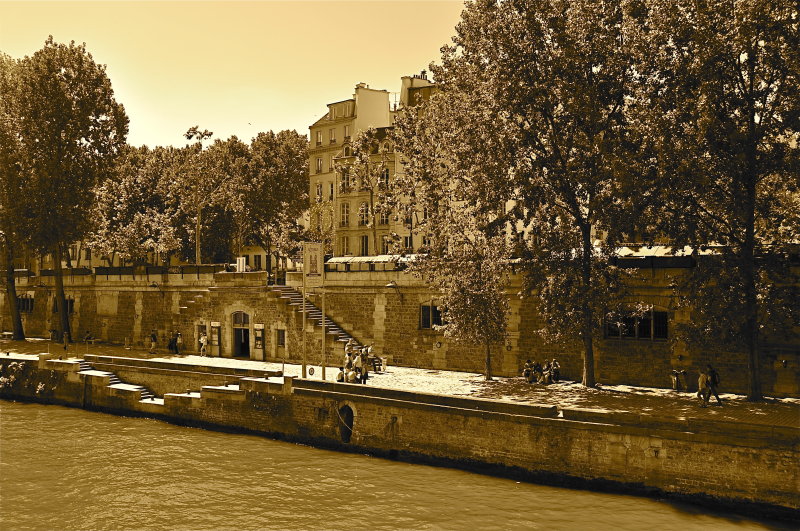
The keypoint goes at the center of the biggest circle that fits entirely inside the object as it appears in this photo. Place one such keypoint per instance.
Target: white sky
(236, 67)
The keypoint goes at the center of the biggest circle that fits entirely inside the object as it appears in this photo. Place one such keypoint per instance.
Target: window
(365, 245)
(331, 162)
(430, 316)
(344, 181)
(344, 245)
(247, 259)
(332, 135)
(347, 151)
(426, 241)
(346, 132)
(384, 245)
(363, 215)
(384, 180)
(384, 217)
(408, 242)
(319, 138)
(319, 192)
(650, 325)
(344, 219)
(330, 191)
(25, 304)
(70, 305)
(319, 164)
(241, 319)
(280, 338)
(87, 254)
(257, 262)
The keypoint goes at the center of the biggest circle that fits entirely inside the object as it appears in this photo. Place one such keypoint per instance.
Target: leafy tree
(539, 90)
(227, 165)
(70, 130)
(469, 274)
(11, 179)
(454, 182)
(194, 187)
(367, 170)
(133, 213)
(322, 225)
(277, 190)
(718, 98)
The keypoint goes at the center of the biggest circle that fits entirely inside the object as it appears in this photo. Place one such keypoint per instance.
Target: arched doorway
(241, 334)
(346, 423)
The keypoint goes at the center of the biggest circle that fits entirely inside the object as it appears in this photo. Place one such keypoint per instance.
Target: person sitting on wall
(546, 374)
(359, 376)
(537, 372)
(527, 369)
(340, 376)
(351, 376)
(555, 370)
(348, 361)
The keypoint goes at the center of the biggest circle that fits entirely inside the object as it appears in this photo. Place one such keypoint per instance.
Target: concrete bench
(6, 335)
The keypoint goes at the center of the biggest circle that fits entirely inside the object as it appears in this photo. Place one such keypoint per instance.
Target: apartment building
(362, 227)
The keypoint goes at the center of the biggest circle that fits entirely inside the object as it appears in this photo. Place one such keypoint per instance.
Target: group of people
(550, 372)
(707, 384)
(355, 368)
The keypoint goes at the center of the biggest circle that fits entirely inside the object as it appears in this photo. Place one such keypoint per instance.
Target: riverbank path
(646, 401)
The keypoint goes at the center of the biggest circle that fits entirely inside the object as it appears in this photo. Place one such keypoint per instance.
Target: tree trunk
(11, 290)
(488, 361)
(374, 226)
(61, 300)
(748, 269)
(197, 239)
(588, 319)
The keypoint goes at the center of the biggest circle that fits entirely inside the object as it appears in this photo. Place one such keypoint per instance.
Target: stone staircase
(295, 299)
(147, 394)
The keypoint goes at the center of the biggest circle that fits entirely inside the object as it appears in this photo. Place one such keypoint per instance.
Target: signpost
(313, 276)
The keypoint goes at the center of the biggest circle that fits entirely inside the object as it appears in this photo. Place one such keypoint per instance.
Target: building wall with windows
(330, 147)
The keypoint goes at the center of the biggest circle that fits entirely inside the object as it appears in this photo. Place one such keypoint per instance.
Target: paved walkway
(620, 398)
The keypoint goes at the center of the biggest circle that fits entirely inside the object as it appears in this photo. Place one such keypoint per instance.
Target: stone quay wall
(749, 468)
(127, 308)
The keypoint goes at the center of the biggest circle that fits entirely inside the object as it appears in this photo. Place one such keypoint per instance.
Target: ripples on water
(69, 469)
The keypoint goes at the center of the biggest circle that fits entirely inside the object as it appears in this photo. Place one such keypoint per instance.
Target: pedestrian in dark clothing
(713, 382)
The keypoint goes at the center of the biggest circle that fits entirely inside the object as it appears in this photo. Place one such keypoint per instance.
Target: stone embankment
(751, 468)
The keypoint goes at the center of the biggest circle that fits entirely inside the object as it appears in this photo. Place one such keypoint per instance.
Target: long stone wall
(749, 468)
(126, 309)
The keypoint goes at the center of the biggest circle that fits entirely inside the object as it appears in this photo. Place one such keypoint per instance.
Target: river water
(69, 469)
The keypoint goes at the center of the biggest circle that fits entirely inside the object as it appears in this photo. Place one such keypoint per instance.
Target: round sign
(311, 371)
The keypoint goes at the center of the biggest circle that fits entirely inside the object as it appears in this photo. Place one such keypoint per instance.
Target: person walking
(153, 341)
(179, 344)
(203, 343)
(713, 383)
(703, 388)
